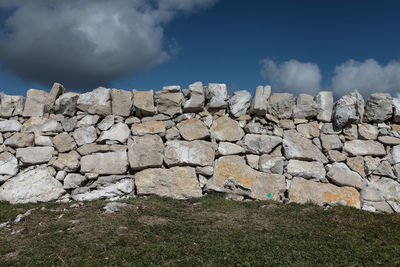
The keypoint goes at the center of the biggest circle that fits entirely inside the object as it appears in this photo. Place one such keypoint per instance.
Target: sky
(295, 46)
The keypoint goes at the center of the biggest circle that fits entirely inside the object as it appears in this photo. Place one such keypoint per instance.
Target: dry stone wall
(113, 144)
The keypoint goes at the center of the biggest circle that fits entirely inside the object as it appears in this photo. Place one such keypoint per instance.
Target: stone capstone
(216, 95)
(144, 103)
(31, 185)
(121, 102)
(281, 105)
(11, 106)
(97, 101)
(66, 104)
(169, 101)
(176, 182)
(35, 103)
(260, 100)
(197, 99)
(306, 107)
(378, 108)
(349, 109)
(324, 101)
(239, 103)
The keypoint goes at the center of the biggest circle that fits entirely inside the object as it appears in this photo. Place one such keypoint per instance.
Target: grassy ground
(210, 231)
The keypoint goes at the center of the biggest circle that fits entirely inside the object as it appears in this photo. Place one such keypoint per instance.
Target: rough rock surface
(85, 135)
(281, 105)
(193, 129)
(144, 103)
(324, 101)
(197, 99)
(271, 164)
(261, 144)
(63, 142)
(66, 104)
(150, 127)
(31, 185)
(260, 100)
(297, 147)
(10, 126)
(145, 152)
(11, 105)
(349, 109)
(378, 107)
(97, 101)
(306, 107)
(194, 153)
(217, 95)
(239, 103)
(8, 164)
(303, 191)
(121, 102)
(364, 148)
(118, 132)
(34, 155)
(35, 103)
(306, 169)
(226, 129)
(105, 163)
(169, 101)
(340, 174)
(176, 182)
(67, 161)
(226, 148)
(112, 191)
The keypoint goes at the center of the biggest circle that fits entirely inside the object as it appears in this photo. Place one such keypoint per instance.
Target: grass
(210, 231)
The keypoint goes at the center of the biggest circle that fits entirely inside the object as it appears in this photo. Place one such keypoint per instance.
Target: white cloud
(367, 77)
(292, 76)
(86, 43)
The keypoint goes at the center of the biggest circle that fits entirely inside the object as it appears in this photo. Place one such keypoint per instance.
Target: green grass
(210, 231)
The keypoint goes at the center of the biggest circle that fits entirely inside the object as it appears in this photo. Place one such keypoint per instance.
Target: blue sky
(297, 46)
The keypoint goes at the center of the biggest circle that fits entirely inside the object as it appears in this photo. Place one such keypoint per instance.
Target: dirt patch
(153, 220)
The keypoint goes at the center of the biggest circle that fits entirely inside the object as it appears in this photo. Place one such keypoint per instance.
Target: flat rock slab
(303, 191)
(145, 152)
(31, 185)
(176, 182)
(261, 144)
(118, 132)
(364, 148)
(34, 155)
(306, 169)
(150, 127)
(10, 126)
(193, 153)
(105, 163)
(119, 189)
(340, 174)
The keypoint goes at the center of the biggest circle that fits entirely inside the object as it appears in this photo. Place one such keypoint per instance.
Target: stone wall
(112, 144)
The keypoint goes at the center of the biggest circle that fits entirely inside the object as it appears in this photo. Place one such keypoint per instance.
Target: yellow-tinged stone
(300, 121)
(226, 129)
(193, 129)
(244, 118)
(303, 191)
(149, 127)
(144, 102)
(395, 127)
(272, 118)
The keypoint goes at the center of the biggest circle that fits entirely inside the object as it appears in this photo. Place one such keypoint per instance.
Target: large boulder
(340, 174)
(193, 129)
(197, 99)
(194, 153)
(8, 164)
(324, 101)
(296, 146)
(66, 104)
(306, 169)
(11, 106)
(34, 155)
(303, 191)
(261, 144)
(364, 148)
(105, 163)
(176, 182)
(35, 103)
(118, 132)
(226, 129)
(239, 103)
(281, 105)
(144, 103)
(306, 107)
(31, 185)
(121, 102)
(260, 100)
(170, 100)
(145, 152)
(216, 95)
(233, 176)
(97, 101)
(349, 109)
(378, 108)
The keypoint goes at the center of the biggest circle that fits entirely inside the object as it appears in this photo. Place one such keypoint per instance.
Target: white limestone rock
(119, 189)
(261, 144)
(10, 126)
(31, 185)
(193, 153)
(118, 132)
(121, 102)
(145, 152)
(306, 107)
(378, 108)
(144, 103)
(8, 164)
(349, 109)
(259, 103)
(105, 163)
(85, 135)
(239, 103)
(341, 175)
(281, 105)
(364, 148)
(97, 101)
(35, 103)
(324, 101)
(197, 99)
(11, 106)
(216, 95)
(306, 169)
(271, 164)
(226, 129)
(34, 155)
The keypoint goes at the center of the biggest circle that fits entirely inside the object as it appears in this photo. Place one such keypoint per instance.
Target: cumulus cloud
(367, 77)
(292, 76)
(86, 43)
